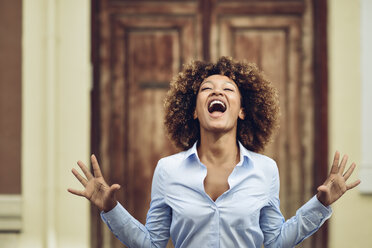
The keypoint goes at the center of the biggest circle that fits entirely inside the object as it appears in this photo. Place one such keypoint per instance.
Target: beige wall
(350, 225)
(55, 123)
(56, 84)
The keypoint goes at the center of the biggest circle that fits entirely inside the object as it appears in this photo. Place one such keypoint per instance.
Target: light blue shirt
(246, 215)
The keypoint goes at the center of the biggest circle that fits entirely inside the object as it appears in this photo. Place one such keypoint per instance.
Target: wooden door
(139, 45)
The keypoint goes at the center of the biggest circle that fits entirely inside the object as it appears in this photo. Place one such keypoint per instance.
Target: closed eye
(228, 89)
(205, 88)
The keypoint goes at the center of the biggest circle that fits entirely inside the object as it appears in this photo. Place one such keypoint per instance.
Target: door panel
(141, 47)
(276, 49)
(148, 52)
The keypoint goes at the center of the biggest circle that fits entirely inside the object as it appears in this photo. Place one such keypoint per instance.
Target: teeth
(216, 105)
(216, 102)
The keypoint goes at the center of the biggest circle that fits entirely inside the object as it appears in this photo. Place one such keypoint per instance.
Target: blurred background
(82, 77)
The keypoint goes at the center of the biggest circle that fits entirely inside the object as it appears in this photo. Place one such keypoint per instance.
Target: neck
(218, 149)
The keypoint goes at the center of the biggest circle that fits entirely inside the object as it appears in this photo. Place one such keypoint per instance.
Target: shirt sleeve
(134, 234)
(279, 233)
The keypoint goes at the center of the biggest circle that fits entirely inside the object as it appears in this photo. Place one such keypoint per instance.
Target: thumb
(113, 189)
(322, 188)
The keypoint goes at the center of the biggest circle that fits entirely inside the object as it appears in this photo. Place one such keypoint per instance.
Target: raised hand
(96, 189)
(335, 185)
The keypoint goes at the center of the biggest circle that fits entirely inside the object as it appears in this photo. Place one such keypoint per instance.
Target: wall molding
(365, 173)
(10, 213)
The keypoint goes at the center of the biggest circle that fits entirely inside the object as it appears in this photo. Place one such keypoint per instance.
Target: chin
(219, 128)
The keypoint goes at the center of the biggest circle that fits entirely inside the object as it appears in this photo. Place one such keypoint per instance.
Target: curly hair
(259, 102)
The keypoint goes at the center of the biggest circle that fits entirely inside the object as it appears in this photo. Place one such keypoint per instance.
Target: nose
(217, 91)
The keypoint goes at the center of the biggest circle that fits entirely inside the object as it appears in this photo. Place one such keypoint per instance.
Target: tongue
(216, 108)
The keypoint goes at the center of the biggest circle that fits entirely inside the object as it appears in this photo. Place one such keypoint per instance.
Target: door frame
(320, 8)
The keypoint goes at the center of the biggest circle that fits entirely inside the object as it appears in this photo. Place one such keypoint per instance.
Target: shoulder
(259, 161)
(264, 163)
(267, 168)
(169, 163)
(172, 159)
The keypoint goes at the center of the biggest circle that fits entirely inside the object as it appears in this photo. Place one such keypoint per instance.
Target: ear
(241, 114)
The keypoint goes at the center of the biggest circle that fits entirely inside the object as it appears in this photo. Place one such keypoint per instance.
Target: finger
(81, 179)
(349, 171)
(343, 164)
(85, 170)
(114, 188)
(96, 169)
(322, 188)
(353, 185)
(76, 192)
(336, 160)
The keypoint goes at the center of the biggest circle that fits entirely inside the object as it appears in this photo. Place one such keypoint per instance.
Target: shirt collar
(245, 154)
(192, 151)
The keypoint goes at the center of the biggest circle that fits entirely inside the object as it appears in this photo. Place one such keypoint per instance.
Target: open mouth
(216, 106)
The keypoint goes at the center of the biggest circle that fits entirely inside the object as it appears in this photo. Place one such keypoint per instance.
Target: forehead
(218, 79)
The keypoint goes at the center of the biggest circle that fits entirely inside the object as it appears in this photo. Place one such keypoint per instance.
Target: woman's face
(218, 105)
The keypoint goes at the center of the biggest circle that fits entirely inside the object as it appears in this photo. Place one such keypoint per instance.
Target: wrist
(110, 207)
(321, 199)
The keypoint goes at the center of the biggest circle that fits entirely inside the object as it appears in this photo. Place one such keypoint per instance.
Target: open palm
(335, 185)
(96, 190)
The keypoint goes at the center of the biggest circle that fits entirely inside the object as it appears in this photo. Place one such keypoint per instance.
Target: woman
(217, 192)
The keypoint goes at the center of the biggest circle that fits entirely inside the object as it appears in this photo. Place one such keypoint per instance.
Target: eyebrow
(213, 82)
